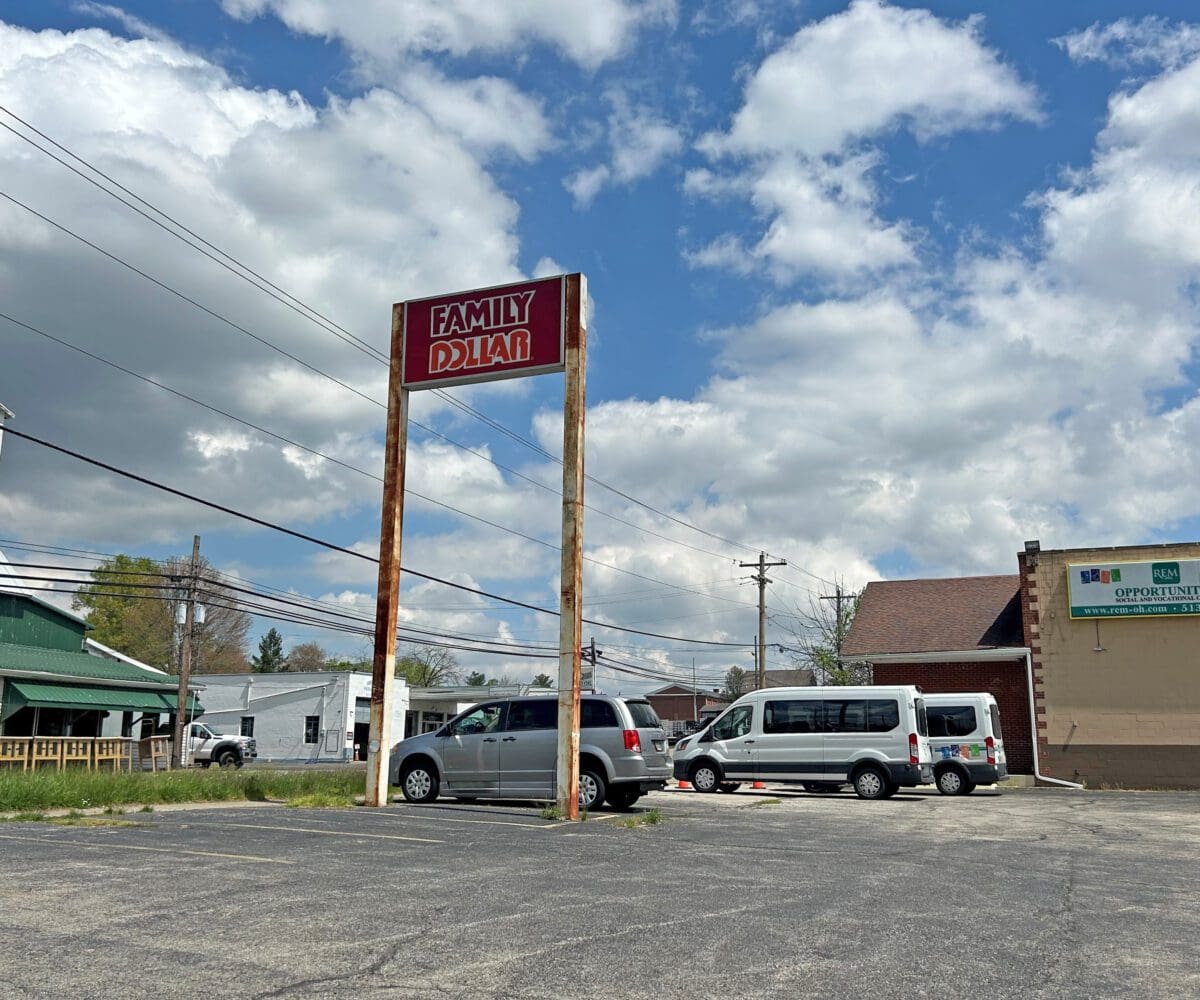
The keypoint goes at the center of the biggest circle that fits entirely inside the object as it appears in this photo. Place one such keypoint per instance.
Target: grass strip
(32, 791)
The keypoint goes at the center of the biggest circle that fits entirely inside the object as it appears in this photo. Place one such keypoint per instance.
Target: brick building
(1104, 639)
(947, 636)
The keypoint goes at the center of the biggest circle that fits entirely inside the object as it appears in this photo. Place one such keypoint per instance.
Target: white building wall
(279, 704)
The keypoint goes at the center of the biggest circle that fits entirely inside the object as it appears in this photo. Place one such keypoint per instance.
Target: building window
(312, 729)
(247, 725)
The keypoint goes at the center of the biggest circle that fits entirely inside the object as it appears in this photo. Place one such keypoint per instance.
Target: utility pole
(695, 705)
(837, 596)
(179, 753)
(761, 579)
(5, 414)
(591, 652)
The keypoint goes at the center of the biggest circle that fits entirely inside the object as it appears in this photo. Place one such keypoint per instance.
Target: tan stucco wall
(1143, 689)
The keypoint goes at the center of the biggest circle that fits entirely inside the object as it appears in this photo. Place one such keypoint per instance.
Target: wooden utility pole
(182, 720)
(570, 605)
(387, 599)
(838, 596)
(761, 579)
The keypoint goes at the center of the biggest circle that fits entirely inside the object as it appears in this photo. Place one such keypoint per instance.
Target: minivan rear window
(995, 711)
(644, 716)
(947, 721)
(596, 714)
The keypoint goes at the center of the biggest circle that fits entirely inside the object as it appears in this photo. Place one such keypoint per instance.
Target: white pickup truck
(207, 748)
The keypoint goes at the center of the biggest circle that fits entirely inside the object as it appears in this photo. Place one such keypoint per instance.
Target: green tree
(131, 603)
(543, 681)
(736, 683)
(270, 654)
(475, 679)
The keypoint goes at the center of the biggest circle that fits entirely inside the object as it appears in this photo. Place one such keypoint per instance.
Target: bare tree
(818, 628)
(428, 667)
(307, 657)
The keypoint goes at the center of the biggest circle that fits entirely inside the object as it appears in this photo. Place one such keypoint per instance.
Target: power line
(306, 311)
(332, 546)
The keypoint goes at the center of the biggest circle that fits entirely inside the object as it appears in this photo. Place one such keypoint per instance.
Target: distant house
(678, 703)
(54, 681)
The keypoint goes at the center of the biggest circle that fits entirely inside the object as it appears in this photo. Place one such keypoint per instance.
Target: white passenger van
(875, 738)
(964, 734)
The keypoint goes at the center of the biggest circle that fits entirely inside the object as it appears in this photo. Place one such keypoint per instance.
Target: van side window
(883, 715)
(846, 716)
(735, 724)
(950, 720)
(540, 714)
(792, 716)
(596, 714)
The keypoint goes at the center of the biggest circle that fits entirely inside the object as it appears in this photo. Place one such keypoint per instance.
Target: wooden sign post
(479, 336)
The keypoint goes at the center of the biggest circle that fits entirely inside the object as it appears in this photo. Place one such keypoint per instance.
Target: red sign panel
(485, 334)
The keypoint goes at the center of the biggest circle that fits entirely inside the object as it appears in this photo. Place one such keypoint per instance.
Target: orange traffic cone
(683, 784)
(758, 784)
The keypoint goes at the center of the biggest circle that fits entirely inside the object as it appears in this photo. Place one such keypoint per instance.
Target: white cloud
(1127, 42)
(640, 142)
(812, 107)
(381, 32)
(352, 204)
(487, 113)
(872, 69)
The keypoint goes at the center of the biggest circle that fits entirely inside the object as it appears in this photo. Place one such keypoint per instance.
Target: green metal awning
(87, 698)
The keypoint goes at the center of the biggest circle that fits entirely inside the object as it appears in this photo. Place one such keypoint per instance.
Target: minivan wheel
(871, 783)
(623, 798)
(952, 782)
(591, 790)
(419, 783)
(705, 777)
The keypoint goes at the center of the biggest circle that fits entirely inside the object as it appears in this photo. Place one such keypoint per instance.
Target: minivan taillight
(914, 749)
(633, 742)
(991, 749)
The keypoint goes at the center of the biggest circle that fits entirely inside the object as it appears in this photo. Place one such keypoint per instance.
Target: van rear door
(650, 732)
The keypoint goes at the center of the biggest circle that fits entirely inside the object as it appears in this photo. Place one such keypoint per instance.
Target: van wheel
(872, 783)
(821, 786)
(951, 781)
(729, 787)
(419, 782)
(591, 789)
(705, 777)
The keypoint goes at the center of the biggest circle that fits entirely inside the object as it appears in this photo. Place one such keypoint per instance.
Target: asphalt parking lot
(759, 894)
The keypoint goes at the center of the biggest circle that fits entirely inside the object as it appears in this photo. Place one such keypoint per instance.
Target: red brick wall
(679, 707)
(1031, 621)
(1004, 680)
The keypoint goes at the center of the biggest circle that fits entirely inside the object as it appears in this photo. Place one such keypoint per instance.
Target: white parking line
(439, 816)
(109, 845)
(327, 833)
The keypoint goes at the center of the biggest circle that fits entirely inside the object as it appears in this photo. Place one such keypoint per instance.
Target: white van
(964, 733)
(820, 737)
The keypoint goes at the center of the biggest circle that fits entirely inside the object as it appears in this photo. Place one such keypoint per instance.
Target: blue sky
(881, 289)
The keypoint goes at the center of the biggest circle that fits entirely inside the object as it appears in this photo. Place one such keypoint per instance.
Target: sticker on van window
(966, 751)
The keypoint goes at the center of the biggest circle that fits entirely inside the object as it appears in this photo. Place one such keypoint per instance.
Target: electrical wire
(308, 312)
(312, 539)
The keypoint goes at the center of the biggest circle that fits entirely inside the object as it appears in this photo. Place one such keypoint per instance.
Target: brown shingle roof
(925, 616)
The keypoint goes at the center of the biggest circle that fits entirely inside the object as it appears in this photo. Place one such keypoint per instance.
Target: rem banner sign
(485, 334)
(1134, 589)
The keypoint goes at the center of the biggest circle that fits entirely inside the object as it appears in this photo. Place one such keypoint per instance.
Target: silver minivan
(507, 749)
